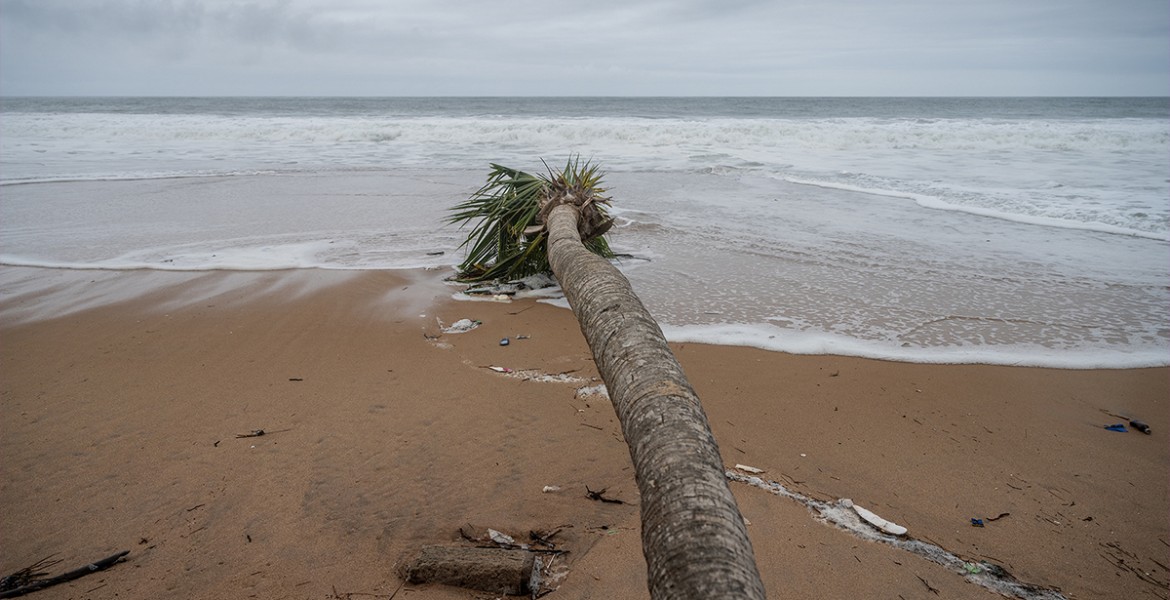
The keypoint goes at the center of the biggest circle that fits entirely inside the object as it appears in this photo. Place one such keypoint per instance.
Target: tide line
(985, 574)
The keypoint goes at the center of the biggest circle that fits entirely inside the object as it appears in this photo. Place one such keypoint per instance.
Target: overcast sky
(585, 47)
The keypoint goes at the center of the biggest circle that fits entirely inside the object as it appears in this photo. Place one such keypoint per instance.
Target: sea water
(1031, 231)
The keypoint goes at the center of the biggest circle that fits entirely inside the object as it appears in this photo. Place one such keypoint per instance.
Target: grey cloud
(601, 47)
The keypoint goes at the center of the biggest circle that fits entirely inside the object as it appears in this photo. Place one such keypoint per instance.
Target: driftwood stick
(65, 577)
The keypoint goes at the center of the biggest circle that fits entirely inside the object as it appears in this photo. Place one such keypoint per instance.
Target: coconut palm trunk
(693, 536)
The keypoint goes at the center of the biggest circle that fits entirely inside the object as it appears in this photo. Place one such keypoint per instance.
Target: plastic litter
(461, 326)
(1140, 426)
(976, 522)
(501, 538)
(1117, 427)
(501, 369)
(748, 469)
(551, 488)
(889, 527)
(505, 342)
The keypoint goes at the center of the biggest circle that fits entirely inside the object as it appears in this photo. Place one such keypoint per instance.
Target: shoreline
(43, 291)
(388, 434)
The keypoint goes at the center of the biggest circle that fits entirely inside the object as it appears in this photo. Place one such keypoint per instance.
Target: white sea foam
(1014, 213)
(1034, 170)
(770, 337)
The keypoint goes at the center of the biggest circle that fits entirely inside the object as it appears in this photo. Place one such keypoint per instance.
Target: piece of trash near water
(889, 527)
(502, 539)
(460, 326)
(747, 469)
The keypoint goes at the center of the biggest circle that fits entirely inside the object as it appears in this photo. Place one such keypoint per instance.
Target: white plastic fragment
(887, 526)
(461, 326)
(748, 469)
(502, 539)
(551, 488)
(501, 369)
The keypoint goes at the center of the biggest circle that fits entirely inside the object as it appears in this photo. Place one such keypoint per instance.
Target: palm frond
(507, 241)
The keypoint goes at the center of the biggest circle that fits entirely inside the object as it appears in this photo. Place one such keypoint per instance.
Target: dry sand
(123, 394)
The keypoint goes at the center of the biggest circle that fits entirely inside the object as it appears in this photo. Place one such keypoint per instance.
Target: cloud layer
(604, 47)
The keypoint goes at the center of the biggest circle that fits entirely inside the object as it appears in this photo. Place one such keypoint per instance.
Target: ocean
(1024, 231)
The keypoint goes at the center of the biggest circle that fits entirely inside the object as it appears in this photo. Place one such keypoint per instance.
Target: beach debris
(869, 517)
(30, 579)
(550, 488)
(28, 574)
(493, 570)
(502, 298)
(993, 577)
(259, 433)
(747, 469)
(534, 580)
(534, 375)
(505, 342)
(436, 253)
(296, 378)
(1120, 427)
(544, 539)
(999, 516)
(593, 390)
(1140, 426)
(502, 539)
(460, 326)
(1126, 561)
(522, 337)
(976, 522)
(929, 588)
(599, 495)
(1136, 424)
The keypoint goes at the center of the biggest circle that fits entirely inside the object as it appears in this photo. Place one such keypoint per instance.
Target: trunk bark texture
(693, 536)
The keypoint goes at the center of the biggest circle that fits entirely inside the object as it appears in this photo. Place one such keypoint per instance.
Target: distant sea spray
(1082, 168)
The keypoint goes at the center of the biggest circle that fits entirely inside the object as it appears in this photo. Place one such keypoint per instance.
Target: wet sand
(124, 394)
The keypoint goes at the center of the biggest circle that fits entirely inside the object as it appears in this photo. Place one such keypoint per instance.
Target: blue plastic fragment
(1117, 427)
(977, 522)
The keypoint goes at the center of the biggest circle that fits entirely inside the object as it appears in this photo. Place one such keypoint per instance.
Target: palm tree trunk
(693, 536)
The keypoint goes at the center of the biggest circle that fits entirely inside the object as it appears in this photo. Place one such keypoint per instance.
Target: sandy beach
(125, 394)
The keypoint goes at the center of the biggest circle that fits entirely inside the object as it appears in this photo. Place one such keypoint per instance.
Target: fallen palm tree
(693, 536)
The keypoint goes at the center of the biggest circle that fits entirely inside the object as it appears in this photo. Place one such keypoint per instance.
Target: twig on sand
(599, 495)
(929, 588)
(28, 574)
(259, 432)
(64, 577)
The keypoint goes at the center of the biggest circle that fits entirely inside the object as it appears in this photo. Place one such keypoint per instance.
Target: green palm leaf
(508, 242)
